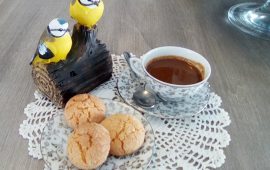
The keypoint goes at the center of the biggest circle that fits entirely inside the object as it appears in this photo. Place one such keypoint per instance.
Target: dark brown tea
(176, 70)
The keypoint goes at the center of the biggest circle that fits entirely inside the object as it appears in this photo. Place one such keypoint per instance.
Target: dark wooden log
(45, 84)
(88, 65)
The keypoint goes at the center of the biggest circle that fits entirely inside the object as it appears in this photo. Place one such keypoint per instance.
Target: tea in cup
(172, 72)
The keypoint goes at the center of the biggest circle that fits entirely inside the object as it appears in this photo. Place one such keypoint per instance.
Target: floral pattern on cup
(169, 92)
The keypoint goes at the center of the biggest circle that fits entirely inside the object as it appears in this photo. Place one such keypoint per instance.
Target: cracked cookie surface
(84, 108)
(127, 133)
(88, 146)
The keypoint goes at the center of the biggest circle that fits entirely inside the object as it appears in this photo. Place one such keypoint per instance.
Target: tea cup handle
(136, 67)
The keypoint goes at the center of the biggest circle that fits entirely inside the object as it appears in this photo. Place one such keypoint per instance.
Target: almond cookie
(127, 133)
(84, 108)
(88, 146)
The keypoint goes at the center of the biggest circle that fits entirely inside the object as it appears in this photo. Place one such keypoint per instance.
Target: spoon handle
(127, 56)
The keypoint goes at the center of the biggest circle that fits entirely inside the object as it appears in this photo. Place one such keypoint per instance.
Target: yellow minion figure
(54, 44)
(86, 12)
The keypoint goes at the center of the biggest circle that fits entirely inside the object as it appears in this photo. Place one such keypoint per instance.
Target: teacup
(168, 91)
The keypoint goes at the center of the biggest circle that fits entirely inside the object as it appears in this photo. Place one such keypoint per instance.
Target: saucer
(189, 106)
(55, 134)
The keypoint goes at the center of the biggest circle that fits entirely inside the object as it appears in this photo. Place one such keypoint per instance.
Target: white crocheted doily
(196, 142)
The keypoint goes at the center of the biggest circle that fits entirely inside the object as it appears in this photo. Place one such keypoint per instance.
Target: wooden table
(240, 63)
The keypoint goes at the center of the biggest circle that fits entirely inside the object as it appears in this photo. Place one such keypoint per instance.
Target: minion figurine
(55, 43)
(86, 12)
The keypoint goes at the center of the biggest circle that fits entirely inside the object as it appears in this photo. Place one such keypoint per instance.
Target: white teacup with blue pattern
(167, 91)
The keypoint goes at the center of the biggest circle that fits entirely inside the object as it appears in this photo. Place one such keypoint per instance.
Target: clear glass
(252, 18)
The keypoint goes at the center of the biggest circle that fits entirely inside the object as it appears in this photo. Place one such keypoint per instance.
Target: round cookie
(84, 108)
(127, 133)
(88, 146)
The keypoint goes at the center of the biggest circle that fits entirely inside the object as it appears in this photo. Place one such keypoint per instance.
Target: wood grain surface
(240, 63)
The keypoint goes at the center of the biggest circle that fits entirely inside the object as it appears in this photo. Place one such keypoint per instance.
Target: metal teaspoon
(141, 96)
